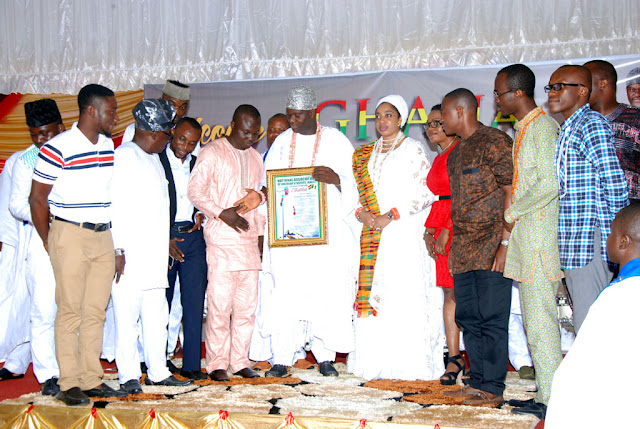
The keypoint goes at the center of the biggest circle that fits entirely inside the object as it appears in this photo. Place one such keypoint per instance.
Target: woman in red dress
(437, 237)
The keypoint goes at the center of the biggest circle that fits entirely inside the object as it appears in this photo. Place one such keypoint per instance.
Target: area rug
(307, 393)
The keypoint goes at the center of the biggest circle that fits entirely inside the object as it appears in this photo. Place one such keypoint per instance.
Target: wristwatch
(119, 252)
(505, 242)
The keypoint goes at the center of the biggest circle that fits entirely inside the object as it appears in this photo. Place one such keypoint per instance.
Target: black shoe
(169, 381)
(193, 375)
(104, 391)
(449, 378)
(172, 368)
(50, 387)
(143, 367)
(247, 373)
(537, 409)
(219, 375)
(276, 370)
(131, 387)
(73, 396)
(521, 403)
(326, 368)
(5, 374)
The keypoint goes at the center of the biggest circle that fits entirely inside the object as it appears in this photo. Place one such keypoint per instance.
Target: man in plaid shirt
(592, 187)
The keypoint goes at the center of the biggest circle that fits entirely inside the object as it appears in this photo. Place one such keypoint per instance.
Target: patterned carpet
(307, 393)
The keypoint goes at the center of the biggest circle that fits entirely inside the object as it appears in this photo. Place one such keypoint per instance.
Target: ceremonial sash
(370, 238)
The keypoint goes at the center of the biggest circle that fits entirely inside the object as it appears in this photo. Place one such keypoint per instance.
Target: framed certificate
(297, 208)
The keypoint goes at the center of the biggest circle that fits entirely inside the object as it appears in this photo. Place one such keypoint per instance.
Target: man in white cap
(633, 87)
(314, 286)
(138, 294)
(177, 94)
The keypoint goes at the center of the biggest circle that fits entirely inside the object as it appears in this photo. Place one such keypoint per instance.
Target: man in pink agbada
(228, 169)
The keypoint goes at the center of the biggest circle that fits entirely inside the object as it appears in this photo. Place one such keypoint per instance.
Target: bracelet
(358, 211)
(263, 197)
(394, 214)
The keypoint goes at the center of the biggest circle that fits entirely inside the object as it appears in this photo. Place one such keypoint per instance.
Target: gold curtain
(14, 135)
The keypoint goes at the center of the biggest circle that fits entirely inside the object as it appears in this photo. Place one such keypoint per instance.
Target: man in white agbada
(44, 122)
(14, 297)
(586, 392)
(314, 286)
(140, 216)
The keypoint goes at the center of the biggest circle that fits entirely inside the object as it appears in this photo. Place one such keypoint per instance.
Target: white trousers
(150, 309)
(41, 284)
(519, 355)
(19, 359)
(290, 345)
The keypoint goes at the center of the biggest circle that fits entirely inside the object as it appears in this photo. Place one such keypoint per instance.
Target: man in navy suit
(186, 246)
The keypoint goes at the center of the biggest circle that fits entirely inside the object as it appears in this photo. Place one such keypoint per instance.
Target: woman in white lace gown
(398, 325)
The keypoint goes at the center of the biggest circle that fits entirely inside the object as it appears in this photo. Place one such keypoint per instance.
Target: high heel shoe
(449, 378)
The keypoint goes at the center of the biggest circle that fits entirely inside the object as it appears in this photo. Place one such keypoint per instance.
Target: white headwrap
(399, 103)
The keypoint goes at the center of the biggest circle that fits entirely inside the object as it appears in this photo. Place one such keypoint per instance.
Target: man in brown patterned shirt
(480, 171)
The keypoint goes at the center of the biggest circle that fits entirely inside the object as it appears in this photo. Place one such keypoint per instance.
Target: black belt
(444, 197)
(184, 227)
(97, 227)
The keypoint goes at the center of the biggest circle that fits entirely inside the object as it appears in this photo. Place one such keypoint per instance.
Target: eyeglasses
(168, 134)
(558, 86)
(496, 95)
(432, 124)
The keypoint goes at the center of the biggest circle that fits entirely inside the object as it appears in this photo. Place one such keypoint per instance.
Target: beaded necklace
(516, 146)
(292, 150)
(378, 159)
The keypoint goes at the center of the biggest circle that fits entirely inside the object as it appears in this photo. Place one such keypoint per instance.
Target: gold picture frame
(297, 206)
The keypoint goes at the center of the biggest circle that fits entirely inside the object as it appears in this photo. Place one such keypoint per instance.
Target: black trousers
(193, 285)
(483, 304)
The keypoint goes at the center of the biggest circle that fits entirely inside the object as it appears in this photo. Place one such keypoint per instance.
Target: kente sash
(370, 238)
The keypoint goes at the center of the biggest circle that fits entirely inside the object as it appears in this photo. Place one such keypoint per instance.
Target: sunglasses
(558, 86)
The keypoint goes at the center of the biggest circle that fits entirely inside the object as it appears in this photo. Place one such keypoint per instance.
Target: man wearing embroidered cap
(72, 179)
(314, 286)
(140, 190)
(633, 87)
(44, 122)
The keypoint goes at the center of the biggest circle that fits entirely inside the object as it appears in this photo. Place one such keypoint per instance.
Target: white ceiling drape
(61, 45)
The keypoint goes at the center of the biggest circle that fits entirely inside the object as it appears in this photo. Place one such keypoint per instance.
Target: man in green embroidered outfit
(532, 255)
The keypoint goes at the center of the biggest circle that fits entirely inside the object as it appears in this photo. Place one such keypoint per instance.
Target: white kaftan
(14, 297)
(314, 286)
(140, 217)
(587, 391)
(405, 339)
(41, 282)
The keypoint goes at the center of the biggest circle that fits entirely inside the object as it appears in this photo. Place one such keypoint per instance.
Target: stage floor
(314, 401)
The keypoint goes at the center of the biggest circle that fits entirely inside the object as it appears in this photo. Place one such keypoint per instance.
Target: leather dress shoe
(326, 368)
(104, 391)
(193, 375)
(73, 396)
(536, 409)
(172, 368)
(169, 381)
(484, 398)
(5, 374)
(219, 375)
(521, 403)
(276, 370)
(460, 393)
(131, 387)
(247, 373)
(50, 387)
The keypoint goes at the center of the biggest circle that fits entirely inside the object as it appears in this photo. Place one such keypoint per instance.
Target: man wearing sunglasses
(592, 187)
